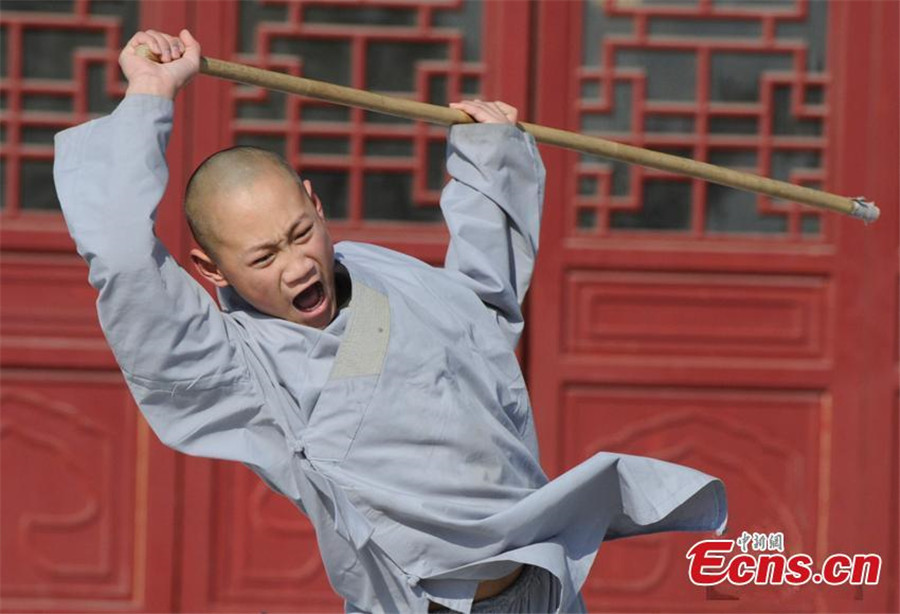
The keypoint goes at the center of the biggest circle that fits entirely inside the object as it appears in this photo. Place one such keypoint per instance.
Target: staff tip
(865, 210)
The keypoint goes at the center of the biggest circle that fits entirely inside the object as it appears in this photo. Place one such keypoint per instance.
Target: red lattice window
(739, 83)
(58, 68)
(364, 165)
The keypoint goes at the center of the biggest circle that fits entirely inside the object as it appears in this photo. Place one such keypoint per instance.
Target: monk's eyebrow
(272, 244)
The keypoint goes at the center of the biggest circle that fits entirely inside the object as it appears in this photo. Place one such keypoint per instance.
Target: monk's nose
(299, 268)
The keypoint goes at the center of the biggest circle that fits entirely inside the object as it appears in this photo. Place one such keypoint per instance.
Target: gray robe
(403, 430)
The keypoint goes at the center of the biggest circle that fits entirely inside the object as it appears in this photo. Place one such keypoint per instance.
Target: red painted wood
(771, 360)
(88, 493)
(767, 360)
(864, 484)
(87, 496)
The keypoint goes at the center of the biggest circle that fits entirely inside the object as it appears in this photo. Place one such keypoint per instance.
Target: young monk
(379, 394)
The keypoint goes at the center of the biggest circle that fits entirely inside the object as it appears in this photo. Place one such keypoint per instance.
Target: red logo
(761, 560)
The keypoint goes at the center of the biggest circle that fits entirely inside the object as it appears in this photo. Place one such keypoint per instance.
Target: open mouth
(311, 298)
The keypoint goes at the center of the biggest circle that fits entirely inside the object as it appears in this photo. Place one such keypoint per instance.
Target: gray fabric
(365, 342)
(418, 468)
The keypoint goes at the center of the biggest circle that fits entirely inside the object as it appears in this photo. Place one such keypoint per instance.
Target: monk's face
(273, 248)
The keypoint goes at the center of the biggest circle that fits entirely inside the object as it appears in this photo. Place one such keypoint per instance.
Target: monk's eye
(304, 234)
(262, 260)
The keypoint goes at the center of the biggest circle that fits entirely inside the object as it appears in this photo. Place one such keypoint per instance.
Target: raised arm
(174, 346)
(492, 206)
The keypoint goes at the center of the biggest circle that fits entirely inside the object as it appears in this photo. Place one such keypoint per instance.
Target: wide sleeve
(492, 206)
(178, 353)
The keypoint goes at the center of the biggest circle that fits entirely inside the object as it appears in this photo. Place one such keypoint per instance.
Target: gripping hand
(179, 62)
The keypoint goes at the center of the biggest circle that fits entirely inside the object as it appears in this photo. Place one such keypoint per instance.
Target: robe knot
(297, 446)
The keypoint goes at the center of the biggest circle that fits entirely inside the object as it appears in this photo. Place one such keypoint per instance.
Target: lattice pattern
(58, 68)
(739, 83)
(363, 165)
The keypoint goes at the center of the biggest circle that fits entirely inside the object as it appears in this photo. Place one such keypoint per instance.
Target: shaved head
(221, 174)
(262, 232)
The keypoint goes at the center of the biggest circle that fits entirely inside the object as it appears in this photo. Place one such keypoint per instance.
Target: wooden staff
(855, 207)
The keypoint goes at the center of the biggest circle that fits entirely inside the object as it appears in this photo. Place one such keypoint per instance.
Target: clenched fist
(179, 62)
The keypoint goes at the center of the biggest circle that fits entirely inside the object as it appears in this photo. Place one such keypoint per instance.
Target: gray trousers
(535, 591)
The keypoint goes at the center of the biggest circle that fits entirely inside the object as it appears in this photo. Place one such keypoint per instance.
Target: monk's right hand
(179, 62)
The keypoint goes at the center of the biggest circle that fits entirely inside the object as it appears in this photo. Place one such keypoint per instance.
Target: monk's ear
(307, 185)
(207, 268)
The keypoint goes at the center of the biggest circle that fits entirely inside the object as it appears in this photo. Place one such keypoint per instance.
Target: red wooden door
(87, 512)
(754, 340)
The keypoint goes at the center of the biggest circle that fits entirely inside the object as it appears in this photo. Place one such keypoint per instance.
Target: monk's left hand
(496, 112)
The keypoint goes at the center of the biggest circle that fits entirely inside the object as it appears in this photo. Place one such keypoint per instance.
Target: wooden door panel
(734, 318)
(698, 324)
(245, 546)
(83, 520)
(59, 70)
(379, 177)
(88, 493)
(48, 313)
